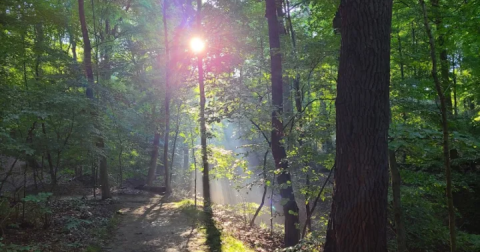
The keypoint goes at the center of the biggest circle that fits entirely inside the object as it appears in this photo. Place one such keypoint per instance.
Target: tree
(445, 110)
(397, 205)
(203, 127)
(153, 159)
(87, 61)
(358, 219)
(167, 99)
(290, 208)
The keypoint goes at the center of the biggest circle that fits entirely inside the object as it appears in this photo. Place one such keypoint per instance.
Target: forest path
(150, 224)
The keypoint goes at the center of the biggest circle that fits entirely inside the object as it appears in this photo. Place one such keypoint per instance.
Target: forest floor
(149, 224)
(134, 221)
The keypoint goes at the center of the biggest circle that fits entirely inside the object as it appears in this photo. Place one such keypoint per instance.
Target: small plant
(16, 248)
(311, 244)
(74, 223)
(37, 208)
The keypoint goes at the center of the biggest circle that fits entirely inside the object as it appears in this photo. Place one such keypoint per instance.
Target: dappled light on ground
(155, 225)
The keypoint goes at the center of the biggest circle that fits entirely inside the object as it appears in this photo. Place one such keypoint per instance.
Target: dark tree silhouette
(359, 210)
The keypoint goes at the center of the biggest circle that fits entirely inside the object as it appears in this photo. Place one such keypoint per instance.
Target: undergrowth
(215, 239)
(104, 233)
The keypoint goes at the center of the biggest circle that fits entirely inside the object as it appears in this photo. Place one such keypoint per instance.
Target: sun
(197, 45)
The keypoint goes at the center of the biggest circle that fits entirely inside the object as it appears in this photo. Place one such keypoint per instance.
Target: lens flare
(197, 45)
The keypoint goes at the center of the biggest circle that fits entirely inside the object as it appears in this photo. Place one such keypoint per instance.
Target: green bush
(37, 209)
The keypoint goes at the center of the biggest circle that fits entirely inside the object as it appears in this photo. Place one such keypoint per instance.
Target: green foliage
(47, 121)
(230, 244)
(74, 223)
(226, 165)
(16, 248)
(37, 209)
(306, 245)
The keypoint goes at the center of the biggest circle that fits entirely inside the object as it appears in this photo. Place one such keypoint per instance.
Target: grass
(215, 239)
(187, 203)
(231, 244)
(218, 241)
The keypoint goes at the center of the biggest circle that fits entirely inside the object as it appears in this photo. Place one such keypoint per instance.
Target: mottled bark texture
(359, 210)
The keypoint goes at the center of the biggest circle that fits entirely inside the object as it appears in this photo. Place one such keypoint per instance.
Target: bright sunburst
(197, 45)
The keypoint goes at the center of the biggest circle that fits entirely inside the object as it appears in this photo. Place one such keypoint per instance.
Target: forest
(240, 125)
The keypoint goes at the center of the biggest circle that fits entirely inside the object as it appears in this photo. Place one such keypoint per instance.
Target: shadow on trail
(150, 224)
(155, 206)
(214, 235)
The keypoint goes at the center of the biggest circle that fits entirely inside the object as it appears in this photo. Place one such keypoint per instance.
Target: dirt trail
(149, 224)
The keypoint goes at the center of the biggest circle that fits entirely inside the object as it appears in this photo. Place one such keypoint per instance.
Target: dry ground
(150, 224)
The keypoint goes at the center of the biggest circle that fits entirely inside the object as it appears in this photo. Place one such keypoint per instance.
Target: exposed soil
(151, 224)
(133, 221)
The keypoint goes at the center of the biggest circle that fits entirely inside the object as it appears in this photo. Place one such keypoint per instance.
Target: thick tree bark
(167, 100)
(397, 205)
(290, 208)
(358, 219)
(87, 61)
(446, 150)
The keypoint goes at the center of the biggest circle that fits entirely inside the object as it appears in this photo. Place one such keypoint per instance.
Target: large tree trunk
(167, 100)
(359, 209)
(397, 205)
(445, 113)
(290, 208)
(87, 61)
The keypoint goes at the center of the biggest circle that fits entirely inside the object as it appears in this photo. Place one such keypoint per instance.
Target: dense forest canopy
(329, 120)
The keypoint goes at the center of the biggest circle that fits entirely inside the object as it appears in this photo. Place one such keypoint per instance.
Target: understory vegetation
(281, 124)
